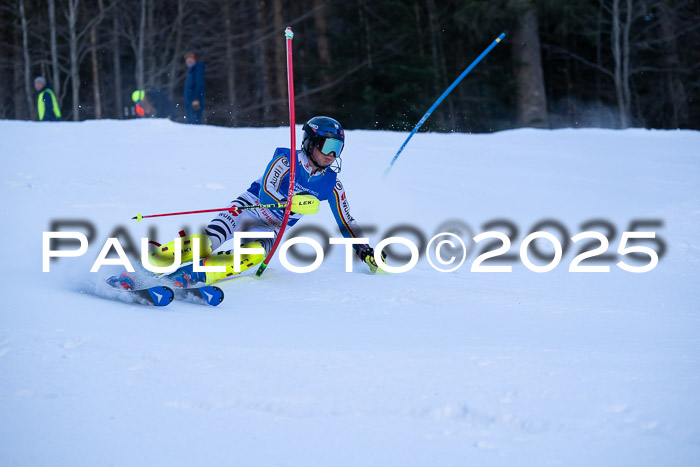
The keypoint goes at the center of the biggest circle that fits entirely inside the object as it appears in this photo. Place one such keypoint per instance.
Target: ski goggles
(329, 145)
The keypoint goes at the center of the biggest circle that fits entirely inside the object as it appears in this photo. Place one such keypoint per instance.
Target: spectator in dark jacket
(153, 103)
(47, 104)
(194, 89)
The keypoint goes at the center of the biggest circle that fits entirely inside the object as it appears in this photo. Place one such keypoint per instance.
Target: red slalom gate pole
(289, 35)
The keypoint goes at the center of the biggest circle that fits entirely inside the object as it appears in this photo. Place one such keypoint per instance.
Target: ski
(161, 295)
(157, 295)
(204, 295)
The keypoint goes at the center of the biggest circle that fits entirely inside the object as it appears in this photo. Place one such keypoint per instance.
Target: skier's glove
(367, 256)
(195, 105)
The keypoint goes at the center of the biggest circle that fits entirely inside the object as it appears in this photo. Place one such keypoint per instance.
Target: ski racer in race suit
(318, 164)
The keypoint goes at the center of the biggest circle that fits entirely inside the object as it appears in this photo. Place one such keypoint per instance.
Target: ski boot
(185, 277)
(122, 281)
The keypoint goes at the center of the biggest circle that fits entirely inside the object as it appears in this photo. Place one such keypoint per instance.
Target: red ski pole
(289, 35)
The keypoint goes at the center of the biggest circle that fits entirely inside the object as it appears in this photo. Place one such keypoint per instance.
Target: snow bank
(335, 368)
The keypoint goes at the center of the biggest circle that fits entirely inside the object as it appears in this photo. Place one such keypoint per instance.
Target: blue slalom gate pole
(443, 96)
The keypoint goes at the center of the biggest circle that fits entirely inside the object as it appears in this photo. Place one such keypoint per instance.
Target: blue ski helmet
(327, 135)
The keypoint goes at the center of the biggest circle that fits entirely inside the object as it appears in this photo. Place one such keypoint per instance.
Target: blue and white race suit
(273, 187)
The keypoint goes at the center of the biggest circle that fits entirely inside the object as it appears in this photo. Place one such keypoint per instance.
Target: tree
(231, 64)
(527, 62)
(621, 56)
(377, 64)
(77, 46)
(116, 60)
(54, 50)
(263, 82)
(27, 60)
(678, 99)
(95, 62)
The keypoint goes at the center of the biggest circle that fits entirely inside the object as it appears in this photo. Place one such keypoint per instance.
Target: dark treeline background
(376, 64)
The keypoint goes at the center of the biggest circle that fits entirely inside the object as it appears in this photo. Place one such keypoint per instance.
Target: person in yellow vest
(47, 104)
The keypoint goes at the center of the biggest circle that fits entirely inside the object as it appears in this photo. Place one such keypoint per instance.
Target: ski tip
(218, 297)
(161, 295)
(204, 295)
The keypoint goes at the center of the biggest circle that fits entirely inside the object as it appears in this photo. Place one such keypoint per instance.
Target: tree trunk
(140, 79)
(27, 61)
(676, 91)
(54, 50)
(364, 20)
(433, 25)
(150, 51)
(176, 64)
(450, 102)
(626, 59)
(419, 29)
(19, 100)
(74, 69)
(95, 64)
(324, 51)
(152, 48)
(599, 47)
(619, 78)
(280, 49)
(527, 61)
(367, 34)
(6, 77)
(439, 67)
(263, 81)
(95, 74)
(117, 63)
(230, 66)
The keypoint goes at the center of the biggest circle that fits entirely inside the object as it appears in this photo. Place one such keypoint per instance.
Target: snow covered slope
(336, 368)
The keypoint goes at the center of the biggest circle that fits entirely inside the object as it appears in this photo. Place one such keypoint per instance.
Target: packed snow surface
(422, 368)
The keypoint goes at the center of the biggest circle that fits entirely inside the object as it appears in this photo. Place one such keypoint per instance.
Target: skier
(318, 164)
